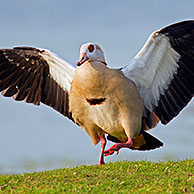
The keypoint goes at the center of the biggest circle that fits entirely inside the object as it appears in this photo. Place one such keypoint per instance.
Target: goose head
(90, 52)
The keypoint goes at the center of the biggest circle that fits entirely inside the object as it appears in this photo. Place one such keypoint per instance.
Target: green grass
(119, 177)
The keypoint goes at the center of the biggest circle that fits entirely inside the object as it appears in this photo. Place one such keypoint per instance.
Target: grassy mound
(119, 177)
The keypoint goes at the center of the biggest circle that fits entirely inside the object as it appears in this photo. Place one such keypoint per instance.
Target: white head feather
(91, 52)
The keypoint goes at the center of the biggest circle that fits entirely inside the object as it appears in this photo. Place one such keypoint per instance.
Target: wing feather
(35, 76)
(163, 71)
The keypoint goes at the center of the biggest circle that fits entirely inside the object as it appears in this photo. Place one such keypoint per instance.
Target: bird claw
(117, 146)
(111, 150)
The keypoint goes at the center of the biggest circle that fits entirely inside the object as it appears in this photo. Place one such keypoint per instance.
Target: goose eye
(91, 48)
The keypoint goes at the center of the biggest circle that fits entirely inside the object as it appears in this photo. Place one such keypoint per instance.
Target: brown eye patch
(91, 48)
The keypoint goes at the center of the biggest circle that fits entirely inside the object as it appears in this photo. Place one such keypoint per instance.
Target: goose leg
(117, 146)
(103, 144)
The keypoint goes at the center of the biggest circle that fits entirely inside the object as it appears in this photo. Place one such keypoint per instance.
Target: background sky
(39, 138)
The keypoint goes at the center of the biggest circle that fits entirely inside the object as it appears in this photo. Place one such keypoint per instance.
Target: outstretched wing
(163, 71)
(36, 75)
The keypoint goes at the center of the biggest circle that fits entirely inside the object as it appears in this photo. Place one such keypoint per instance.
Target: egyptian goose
(122, 103)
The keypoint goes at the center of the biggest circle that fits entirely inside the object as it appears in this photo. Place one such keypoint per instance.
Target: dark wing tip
(179, 27)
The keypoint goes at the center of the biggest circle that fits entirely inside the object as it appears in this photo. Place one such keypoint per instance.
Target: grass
(119, 177)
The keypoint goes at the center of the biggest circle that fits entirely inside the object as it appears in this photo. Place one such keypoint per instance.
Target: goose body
(121, 103)
(113, 112)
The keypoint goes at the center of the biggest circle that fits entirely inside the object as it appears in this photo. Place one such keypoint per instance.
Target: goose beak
(83, 58)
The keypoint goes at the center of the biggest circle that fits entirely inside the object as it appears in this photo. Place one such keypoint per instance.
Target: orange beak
(83, 58)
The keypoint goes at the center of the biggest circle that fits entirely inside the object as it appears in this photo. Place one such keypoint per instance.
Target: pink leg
(103, 144)
(117, 146)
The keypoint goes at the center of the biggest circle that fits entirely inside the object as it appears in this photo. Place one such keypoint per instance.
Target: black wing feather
(181, 89)
(24, 74)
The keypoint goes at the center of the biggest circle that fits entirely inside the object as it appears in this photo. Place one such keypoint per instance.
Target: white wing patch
(61, 71)
(153, 68)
